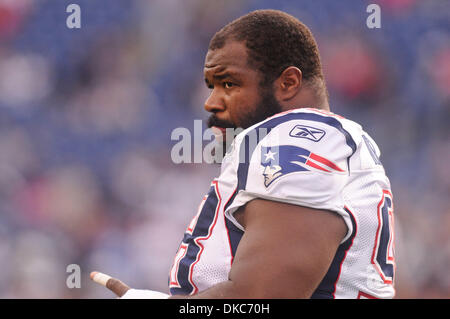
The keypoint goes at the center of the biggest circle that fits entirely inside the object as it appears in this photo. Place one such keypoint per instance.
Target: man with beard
(302, 207)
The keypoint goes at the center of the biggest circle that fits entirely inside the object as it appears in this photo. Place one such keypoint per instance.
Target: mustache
(214, 121)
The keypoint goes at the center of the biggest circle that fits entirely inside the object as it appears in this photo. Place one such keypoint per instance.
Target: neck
(307, 98)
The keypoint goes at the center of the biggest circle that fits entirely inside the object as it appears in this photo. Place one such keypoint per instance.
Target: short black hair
(275, 40)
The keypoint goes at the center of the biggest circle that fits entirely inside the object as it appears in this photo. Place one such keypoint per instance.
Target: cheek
(243, 105)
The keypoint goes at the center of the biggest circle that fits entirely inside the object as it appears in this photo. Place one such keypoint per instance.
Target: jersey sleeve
(302, 161)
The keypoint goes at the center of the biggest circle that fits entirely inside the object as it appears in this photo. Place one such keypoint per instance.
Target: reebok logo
(308, 132)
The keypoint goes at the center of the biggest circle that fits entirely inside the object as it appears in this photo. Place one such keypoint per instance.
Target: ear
(288, 83)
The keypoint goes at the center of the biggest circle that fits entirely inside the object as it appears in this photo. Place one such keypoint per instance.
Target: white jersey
(304, 157)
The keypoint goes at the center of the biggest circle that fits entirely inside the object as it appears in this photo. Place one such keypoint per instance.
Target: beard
(267, 107)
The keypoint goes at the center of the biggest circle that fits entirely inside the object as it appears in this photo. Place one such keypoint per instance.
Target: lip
(222, 130)
(219, 132)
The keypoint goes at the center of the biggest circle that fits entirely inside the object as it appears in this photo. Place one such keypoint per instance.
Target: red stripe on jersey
(176, 261)
(312, 164)
(363, 295)
(323, 112)
(325, 161)
(225, 223)
(281, 113)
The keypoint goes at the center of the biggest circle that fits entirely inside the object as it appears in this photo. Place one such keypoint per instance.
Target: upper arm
(286, 249)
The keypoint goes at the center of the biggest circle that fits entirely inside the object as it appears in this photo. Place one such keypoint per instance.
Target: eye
(209, 84)
(228, 85)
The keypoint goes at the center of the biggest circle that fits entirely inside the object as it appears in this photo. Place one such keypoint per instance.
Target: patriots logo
(308, 132)
(284, 159)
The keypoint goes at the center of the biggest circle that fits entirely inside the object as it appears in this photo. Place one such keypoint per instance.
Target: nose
(214, 103)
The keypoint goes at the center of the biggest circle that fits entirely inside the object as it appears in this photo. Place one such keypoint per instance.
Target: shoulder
(300, 157)
(317, 130)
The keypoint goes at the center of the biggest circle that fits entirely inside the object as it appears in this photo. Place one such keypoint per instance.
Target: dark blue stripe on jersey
(246, 152)
(204, 222)
(387, 269)
(327, 287)
(235, 235)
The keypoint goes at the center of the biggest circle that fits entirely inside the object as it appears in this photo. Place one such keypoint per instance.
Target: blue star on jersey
(284, 159)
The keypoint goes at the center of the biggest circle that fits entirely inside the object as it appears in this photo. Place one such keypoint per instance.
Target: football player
(302, 207)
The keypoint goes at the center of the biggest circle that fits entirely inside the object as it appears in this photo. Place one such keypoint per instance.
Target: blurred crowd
(86, 117)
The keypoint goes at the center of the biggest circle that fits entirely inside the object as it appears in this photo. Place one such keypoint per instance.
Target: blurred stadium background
(86, 116)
